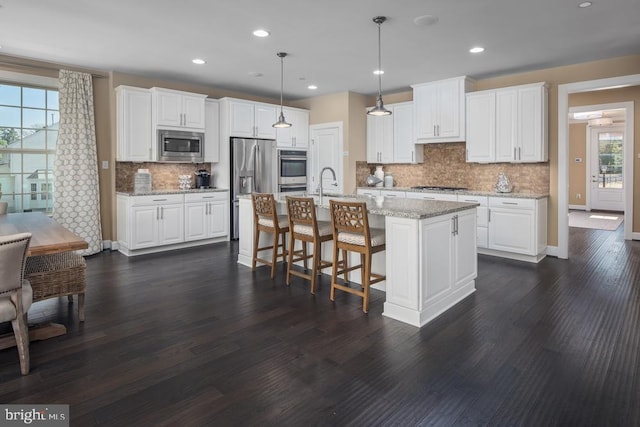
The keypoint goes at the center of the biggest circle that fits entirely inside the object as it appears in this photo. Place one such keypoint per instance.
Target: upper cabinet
(252, 119)
(133, 122)
(179, 110)
(439, 110)
(296, 136)
(390, 138)
(212, 131)
(508, 125)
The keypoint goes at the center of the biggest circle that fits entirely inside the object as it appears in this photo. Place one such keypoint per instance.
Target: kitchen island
(430, 260)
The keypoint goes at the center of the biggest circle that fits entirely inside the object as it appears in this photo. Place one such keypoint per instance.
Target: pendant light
(379, 109)
(281, 123)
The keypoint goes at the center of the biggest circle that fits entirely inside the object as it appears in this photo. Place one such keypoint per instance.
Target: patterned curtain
(76, 193)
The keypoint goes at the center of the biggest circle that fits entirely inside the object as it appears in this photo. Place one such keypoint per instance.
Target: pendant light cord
(281, 80)
(379, 64)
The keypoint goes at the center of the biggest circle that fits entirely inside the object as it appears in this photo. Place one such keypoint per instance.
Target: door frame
(562, 250)
(340, 171)
(589, 142)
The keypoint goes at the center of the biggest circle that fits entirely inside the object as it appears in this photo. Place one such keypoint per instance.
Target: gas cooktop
(432, 187)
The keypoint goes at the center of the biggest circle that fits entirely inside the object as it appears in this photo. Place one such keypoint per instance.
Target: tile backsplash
(164, 176)
(445, 165)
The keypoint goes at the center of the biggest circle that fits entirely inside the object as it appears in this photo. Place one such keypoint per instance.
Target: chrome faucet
(335, 181)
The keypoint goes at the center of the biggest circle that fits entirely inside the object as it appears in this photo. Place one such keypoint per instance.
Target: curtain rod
(41, 67)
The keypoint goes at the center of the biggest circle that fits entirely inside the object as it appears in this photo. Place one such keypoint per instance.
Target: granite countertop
(468, 192)
(176, 191)
(402, 208)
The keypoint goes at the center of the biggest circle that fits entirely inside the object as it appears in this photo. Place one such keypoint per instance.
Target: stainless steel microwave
(180, 146)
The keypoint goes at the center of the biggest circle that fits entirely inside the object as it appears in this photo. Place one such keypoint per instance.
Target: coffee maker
(203, 179)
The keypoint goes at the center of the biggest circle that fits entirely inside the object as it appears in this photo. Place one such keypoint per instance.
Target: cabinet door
(265, 117)
(512, 230)
(481, 126)
(134, 125)
(193, 111)
(530, 125)
(300, 126)
(171, 224)
(168, 108)
(374, 129)
(465, 257)
(404, 145)
(448, 109)
(195, 221)
(506, 124)
(425, 100)
(144, 226)
(437, 258)
(212, 132)
(380, 139)
(217, 219)
(241, 119)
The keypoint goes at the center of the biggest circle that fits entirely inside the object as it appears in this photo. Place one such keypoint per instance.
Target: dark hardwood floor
(191, 338)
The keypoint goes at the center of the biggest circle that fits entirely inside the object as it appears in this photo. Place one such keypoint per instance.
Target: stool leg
(304, 255)
(363, 271)
(81, 307)
(274, 256)
(70, 299)
(334, 273)
(314, 267)
(292, 243)
(285, 252)
(256, 240)
(346, 265)
(365, 298)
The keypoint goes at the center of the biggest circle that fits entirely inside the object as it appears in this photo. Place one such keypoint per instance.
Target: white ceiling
(331, 43)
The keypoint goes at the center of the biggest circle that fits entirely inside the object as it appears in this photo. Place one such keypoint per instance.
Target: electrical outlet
(105, 164)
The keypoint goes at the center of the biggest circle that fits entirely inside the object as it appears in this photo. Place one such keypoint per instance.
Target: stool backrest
(301, 210)
(264, 206)
(349, 217)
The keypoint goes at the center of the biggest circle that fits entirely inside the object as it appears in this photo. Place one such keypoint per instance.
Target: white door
(325, 150)
(606, 168)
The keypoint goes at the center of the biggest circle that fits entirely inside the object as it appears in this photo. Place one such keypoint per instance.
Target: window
(29, 119)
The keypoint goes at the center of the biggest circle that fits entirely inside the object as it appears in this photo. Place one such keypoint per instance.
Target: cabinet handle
(457, 229)
(519, 153)
(391, 195)
(412, 157)
(438, 127)
(510, 203)
(488, 215)
(208, 197)
(161, 212)
(157, 212)
(434, 131)
(159, 200)
(453, 225)
(514, 154)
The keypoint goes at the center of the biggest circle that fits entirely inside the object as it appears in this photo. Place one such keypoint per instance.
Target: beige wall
(577, 171)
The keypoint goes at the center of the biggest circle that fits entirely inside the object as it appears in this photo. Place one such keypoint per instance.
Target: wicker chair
(351, 232)
(15, 292)
(58, 275)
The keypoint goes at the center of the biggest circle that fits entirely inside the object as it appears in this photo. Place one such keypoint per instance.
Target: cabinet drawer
(205, 197)
(391, 193)
(511, 203)
(482, 200)
(362, 192)
(164, 199)
(432, 196)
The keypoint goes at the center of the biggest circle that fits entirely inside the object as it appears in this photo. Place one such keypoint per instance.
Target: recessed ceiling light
(477, 49)
(376, 72)
(261, 33)
(312, 87)
(585, 4)
(198, 61)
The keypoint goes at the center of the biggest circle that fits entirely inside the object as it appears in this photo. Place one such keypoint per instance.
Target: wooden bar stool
(265, 218)
(351, 232)
(305, 227)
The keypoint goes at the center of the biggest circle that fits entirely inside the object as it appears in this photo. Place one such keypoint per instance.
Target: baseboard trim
(552, 251)
(635, 236)
(578, 207)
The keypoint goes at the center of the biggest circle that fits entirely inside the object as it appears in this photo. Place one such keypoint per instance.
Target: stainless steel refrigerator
(253, 169)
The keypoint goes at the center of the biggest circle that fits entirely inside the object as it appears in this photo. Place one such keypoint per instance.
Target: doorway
(605, 176)
(325, 150)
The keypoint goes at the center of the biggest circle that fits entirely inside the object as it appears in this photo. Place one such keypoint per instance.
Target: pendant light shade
(281, 123)
(379, 109)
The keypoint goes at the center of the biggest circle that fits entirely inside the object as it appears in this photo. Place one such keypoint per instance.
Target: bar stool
(351, 233)
(266, 219)
(305, 227)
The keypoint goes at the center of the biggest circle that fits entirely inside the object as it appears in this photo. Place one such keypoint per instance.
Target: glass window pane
(610, 149)
(10, 117)
(9, 136)
(34, 139)
(51, 160)
(52, 139)
(35, 119)
(10, 95)
(53, 117)
(35, 164)
(52, 100)
(32, 97)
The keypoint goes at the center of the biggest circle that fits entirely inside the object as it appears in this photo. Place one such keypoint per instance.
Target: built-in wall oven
(292, 171)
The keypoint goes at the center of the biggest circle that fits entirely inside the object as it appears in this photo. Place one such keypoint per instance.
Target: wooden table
(47, 237)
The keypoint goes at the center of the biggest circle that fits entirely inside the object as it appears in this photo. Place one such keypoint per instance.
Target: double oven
(292, 171)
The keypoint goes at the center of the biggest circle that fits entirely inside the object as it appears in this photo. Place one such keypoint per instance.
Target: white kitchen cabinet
(178, 110)
(133, 122)
(508, 125)
(432, 196)
(482, 217)
(155, 221)
(212, 131)
(206, 215)
(296, 136)
(481, 126)
(390, 138)
(367, 192)
(439, 110)
(393, 193)
(251, 119)
(518, 226)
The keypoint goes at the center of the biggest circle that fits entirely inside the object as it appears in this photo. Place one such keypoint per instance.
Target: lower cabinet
(154, 223)
(482, 217)
(206, 215)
